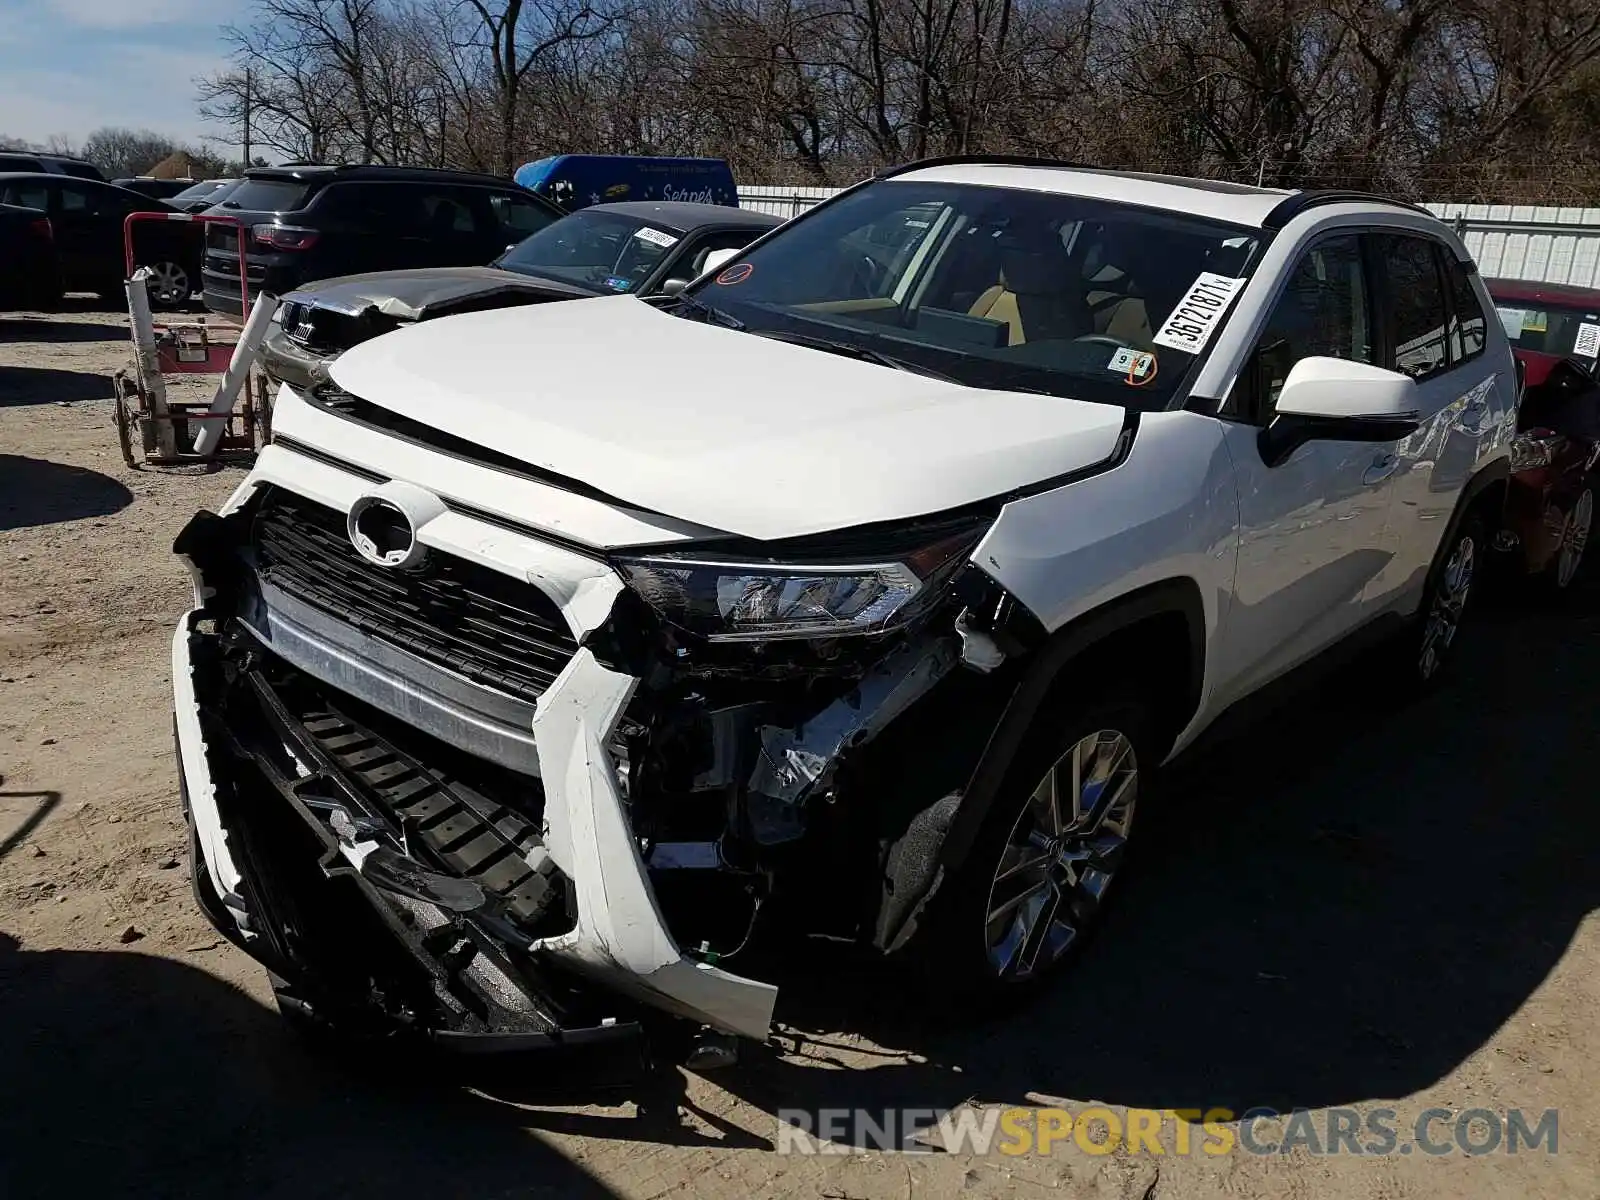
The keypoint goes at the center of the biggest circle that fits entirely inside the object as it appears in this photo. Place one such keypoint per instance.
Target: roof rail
(1291, 207)
(996, 160)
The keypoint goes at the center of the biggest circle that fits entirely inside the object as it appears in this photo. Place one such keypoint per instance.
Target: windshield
(1569, 331)
(211, 189)
(998, 287)
(603, 250)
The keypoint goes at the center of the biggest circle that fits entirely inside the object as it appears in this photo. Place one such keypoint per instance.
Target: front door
(1311, 528)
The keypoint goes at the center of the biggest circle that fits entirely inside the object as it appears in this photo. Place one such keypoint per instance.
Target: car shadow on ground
(51, 385)
(49, 327)
(34, 491)
(131, 1075)
(1345, 902)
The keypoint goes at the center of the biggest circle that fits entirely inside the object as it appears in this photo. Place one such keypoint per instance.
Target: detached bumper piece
(385, 897)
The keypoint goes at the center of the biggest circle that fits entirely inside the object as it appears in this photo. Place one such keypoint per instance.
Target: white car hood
(729, 430)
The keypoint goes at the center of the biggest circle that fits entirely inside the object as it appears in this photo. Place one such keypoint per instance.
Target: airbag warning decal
(1198, 314)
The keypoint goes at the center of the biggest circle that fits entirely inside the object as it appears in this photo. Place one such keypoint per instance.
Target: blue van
(578, 180)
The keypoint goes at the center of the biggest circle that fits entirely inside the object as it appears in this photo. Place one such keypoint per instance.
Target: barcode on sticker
(1190, 325)
(654, 236)
(1588, 341)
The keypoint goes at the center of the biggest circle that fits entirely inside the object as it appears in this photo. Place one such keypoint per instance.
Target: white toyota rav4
(857, 590)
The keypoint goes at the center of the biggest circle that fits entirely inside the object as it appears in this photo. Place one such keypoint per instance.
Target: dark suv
(313, 222)
(49, 164)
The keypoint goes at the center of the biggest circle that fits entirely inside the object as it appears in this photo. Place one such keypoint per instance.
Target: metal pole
(247, 118)
(151, 381)
(213, 426)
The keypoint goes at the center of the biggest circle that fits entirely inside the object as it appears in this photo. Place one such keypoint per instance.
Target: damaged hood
(730, 430)
(427, 292)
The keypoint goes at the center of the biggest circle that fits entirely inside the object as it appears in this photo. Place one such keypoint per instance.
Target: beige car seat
(1032, 297)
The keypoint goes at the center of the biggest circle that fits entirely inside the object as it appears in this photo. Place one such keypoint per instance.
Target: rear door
(379, 226)
(1456, 396)
(460, 229)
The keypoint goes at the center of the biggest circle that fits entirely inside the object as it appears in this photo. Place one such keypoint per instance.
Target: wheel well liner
(1044, 673)
(1152, 622)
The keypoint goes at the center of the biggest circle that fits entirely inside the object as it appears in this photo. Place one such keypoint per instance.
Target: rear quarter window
(1468, 324)
(269, 195)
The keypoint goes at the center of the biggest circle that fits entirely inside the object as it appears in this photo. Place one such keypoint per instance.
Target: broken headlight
(733, 601)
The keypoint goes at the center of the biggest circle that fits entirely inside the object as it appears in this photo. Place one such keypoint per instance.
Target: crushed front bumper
(312, 905)
(399, 949)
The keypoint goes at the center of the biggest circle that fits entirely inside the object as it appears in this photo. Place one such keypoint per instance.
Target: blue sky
(71, 66)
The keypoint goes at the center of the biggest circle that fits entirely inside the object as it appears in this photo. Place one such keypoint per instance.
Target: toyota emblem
(383, 524)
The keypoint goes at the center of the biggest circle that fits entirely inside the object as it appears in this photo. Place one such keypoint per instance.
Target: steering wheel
(1105, 339)
(867, 274)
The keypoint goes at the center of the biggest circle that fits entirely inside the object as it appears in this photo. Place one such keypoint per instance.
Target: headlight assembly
(743, 601)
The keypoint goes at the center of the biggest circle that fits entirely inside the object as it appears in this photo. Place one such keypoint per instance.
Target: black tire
(955, 950)
(1435, 631)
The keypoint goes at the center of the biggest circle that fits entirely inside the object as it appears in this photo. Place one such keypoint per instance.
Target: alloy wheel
(1449, 602)
(1574, 538)
(1062, 854)
(169, 284)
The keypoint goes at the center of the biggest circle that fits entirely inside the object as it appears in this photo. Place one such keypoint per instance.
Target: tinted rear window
(269, 195)
(81, 170)
(19, 162)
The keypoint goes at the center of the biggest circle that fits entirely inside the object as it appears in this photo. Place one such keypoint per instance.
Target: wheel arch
(1160, 628)
(1485, 495)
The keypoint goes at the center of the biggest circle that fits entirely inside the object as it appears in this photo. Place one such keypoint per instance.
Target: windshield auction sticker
(737, 273)
(1587, 344)
(1135, 364)
(654, 236)
(1198, 314)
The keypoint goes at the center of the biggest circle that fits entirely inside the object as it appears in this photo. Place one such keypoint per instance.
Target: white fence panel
(783, 202)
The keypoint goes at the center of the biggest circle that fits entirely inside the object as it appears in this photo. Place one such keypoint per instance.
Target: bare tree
(1459, 98)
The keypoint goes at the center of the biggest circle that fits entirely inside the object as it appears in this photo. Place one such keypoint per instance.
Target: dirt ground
(1358, 904)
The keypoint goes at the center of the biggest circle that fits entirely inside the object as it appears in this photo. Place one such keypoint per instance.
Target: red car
(1554, 331)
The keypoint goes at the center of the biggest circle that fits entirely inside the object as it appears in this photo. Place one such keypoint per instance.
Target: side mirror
(716, 258)
(673, 286)
(1335, 400)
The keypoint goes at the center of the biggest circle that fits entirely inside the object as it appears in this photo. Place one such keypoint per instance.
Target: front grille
(316, 328)
(476, 622)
